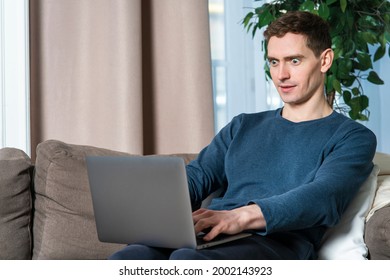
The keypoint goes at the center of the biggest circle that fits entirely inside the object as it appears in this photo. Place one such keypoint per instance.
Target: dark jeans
(281, 246)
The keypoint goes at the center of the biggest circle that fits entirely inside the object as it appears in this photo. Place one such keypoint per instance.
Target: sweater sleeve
(322, 202)
(206, 173)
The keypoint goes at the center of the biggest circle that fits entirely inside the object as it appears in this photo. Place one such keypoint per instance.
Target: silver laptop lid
(141, 200)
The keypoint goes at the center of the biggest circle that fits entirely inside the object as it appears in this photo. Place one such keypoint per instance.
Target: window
(14, 75)
(239, 82)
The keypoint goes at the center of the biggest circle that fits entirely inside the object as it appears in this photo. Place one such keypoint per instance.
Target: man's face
(297, 73)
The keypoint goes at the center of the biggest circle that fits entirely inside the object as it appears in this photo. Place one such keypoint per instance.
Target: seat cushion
(15, 204)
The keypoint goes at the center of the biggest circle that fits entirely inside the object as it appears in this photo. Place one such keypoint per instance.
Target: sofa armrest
(377, 234)
(377, 230)
(15, 204)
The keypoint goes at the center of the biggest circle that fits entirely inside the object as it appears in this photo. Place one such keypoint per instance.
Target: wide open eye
(273, 62)
(295, 61)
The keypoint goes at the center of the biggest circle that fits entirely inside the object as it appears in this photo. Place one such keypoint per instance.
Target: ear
(326, 60)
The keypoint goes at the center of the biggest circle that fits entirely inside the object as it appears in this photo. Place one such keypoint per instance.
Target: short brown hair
(308, 24)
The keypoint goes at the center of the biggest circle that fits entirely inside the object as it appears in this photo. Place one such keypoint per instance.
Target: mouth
(286, 88)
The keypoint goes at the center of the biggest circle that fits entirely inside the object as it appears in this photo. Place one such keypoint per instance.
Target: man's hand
(229, 222)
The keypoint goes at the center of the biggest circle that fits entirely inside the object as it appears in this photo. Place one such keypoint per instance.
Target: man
(287, 174)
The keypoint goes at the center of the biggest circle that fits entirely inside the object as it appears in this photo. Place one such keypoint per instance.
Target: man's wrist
(252, 217)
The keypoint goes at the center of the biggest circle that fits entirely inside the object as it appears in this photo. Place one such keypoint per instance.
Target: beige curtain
(129, 75)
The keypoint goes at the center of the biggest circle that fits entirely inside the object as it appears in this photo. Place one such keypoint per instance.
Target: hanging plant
(360, 32)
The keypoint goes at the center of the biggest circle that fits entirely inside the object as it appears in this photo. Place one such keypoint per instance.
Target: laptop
(144, 200)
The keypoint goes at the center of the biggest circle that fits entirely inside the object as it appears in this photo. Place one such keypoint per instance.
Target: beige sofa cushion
(15, 204)
(64, 223)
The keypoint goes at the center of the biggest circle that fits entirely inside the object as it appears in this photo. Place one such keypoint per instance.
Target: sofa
(46, 210)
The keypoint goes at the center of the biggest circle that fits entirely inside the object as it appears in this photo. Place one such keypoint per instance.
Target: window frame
(14, 75)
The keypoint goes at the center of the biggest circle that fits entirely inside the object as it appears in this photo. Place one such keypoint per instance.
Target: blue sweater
(302, 175)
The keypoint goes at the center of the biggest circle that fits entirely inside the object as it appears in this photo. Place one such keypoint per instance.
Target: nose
(283, 72)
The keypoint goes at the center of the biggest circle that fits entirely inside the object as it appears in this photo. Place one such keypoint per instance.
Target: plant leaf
(347, 96)
(307, 6)
(248, 18)
(343, 5)
(350, 47)
(253, 31)
(364, 102)
(365, 61)
(336, 85)
(380, 52)
(348, 81)
(374, 78)
(387, 36)
(358, 104)
(329, 83)
(355, 91)
(265, 18)
(323, 11)
(363, 117)
(353, 114)
(369, 37)
(344, 68)
(361, 43)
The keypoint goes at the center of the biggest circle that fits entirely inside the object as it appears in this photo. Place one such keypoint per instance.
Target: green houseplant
(360, 32)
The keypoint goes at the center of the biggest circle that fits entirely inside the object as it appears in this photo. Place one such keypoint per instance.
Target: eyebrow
(286, 58)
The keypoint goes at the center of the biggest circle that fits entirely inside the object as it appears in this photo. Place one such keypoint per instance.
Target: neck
(307, 112)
